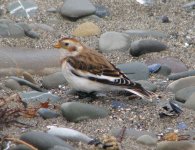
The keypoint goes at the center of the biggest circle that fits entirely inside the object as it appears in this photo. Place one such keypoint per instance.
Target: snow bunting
(88, 71)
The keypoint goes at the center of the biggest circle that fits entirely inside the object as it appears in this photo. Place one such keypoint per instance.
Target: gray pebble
(13, 84)
(75, 111)
(165, 19)
(181, 75)
(53, 80)
(176, 145)
(114, 41)
(140, 47)
(32, 34)
(47, 113)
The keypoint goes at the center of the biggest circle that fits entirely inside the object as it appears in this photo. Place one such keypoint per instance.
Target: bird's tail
(141, 92)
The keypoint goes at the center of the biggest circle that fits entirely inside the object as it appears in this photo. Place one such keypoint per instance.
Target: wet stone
(135, 70)
(75, 111)
(38, 96)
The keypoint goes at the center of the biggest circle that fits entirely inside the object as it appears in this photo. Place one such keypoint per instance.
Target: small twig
(21, 142)
(121, 134)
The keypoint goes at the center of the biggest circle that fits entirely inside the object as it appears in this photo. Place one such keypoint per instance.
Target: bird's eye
(66, 44)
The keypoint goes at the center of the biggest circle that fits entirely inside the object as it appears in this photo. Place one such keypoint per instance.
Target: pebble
(43, 140)
(10, 29)
(173, 63)
(13, 84)
(53, 80)
(86, 29)
(22, 8)
(32, 34)
(38, 96)
(165, 19)
(147, 140)
(27, 76)
(181, 75)
(114, 41)
(140, 47)
(21, 147)
(146, 33)
(164, 70)
(118, 105)
(69, 134)
(183, 94)
(148, 85)
(176, 145)
(77, 9)
(132, 133)
(135, 70)
(190, 103)
(189, 6)
(27, 83)
(154, 68)
(101, 11)
(42, 26)
(181, 83)
(47, 113)
(75, 111)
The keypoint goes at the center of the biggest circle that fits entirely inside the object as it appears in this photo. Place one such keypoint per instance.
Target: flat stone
(77, 9)
(164, 70)
(140, 47)
(101, 11)
(190, 103)
(183, 94)
(34, 96)
(75, 112)
(43, 140)
(135, 70)
(147, 85)
(22, 8)
(181, 75)
(114, 41)
(147, 140)
(145, 33)
(173, 63)
(181, 83)
(53, 80)
(176, 145)
(13, 85)
(87, 29)
(47, 113)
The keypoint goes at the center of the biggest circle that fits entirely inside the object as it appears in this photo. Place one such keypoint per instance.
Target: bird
(87, 70)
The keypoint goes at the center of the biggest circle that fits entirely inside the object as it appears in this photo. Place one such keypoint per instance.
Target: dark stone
(165, 19)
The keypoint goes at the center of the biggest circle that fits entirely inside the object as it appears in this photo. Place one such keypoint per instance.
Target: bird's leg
(83, 95)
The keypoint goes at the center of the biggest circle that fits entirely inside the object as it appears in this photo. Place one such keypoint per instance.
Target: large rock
(114, 41)
(135, 70)
(75, 112)
(140, 47)
(43, 141)
(183, 94)
(181, 83)
(87, 29)
(77, 9)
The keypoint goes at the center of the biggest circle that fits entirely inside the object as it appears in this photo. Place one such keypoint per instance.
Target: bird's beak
(57, 45)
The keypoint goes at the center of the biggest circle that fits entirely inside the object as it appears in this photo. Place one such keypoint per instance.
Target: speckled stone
(75, 111)
(87, 29)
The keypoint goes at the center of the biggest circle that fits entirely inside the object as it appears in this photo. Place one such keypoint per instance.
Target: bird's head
(70, 46)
